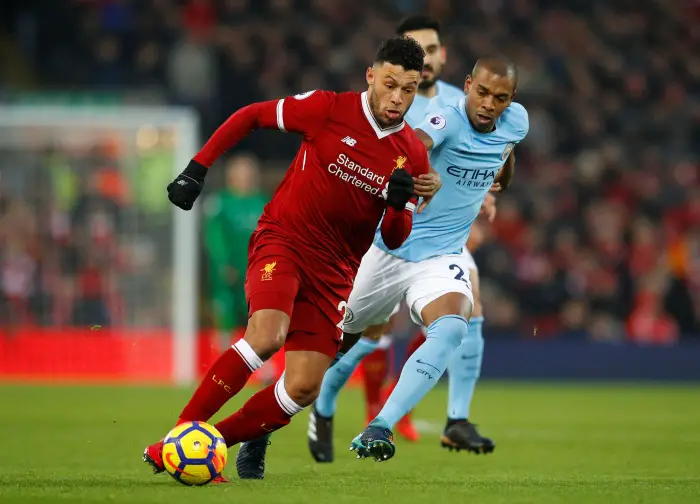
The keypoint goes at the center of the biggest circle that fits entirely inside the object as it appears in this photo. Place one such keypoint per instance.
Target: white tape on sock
(283, 399)
(248, 354)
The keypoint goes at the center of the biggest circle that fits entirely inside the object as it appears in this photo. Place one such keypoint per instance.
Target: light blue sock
(424, 368)
(338, 375)
(464, 370)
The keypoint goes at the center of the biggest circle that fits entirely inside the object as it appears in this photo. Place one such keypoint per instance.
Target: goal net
(98, 272)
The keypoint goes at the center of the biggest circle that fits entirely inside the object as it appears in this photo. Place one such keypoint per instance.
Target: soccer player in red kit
(355, 167)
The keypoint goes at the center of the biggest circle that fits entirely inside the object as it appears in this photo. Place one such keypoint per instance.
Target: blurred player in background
(230, 217)
(472, 139)
(354, 168)
(459, 432)
(426, 31)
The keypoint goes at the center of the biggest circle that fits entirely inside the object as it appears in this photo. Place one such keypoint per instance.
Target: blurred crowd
(82, 242)
(600, 236)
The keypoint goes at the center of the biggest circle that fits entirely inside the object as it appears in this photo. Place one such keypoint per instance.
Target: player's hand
(426, 186)
(400, 189)
(499, 184)
(184, 190)
(488, 207)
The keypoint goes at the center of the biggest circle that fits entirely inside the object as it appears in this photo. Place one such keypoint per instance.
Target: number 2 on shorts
(460, 275)
(342, 307)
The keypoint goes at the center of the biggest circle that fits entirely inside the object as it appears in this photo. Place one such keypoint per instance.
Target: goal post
(148, 254)
(185, 262)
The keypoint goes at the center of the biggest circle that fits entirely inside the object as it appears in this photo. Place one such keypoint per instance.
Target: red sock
(225, 379)
(375, 368)
(265, 412)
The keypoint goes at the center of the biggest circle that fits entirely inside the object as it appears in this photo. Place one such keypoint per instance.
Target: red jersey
(334, 194)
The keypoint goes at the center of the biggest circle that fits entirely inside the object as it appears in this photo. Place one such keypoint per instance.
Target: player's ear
(443, 54)
(370, 76)
(467, 84)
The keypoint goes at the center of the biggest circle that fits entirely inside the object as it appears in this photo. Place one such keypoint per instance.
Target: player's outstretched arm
(303, 113)
(185, 189)
(239, 125)
(505, 175)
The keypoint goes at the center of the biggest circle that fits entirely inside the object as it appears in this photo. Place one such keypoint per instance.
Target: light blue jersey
(445, 93)
(467, 162)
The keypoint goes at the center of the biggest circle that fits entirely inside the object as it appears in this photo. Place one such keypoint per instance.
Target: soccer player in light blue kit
(470, 138)
(465, 364)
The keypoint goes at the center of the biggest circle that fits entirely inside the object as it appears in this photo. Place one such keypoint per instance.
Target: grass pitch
(564, 444)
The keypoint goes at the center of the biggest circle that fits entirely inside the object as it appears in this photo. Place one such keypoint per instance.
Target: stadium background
(594, 257)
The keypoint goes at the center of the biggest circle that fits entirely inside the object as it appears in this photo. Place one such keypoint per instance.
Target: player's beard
(427, 84)
(375, 107)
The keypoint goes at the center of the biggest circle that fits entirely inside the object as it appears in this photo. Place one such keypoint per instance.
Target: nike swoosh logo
(426, 364)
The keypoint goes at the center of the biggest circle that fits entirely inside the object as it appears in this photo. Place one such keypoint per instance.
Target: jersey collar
(380, 132)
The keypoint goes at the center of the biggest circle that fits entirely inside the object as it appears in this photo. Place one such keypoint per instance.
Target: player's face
(391, 92)
(488, 95)
(435, 56)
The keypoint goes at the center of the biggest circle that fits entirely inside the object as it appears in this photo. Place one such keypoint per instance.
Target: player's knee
(452, 328)
(266, 332)
(265, 344)
(303, 389)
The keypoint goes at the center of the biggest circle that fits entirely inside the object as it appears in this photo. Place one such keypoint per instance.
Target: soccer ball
(194, 453)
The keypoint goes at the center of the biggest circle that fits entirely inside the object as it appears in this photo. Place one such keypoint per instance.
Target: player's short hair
(499, 65)
(420, 22)
(401, 50)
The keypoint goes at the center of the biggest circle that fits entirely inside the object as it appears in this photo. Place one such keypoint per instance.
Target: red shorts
(312, 292)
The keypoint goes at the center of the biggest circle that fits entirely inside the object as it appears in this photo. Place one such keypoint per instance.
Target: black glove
(184, 190)
(400, 189)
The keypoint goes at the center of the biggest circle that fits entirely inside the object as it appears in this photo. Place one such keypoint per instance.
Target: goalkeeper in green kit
(231, 216)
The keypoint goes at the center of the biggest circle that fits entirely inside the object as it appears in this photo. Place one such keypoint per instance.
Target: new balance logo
(349, 141)
(182, 182)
